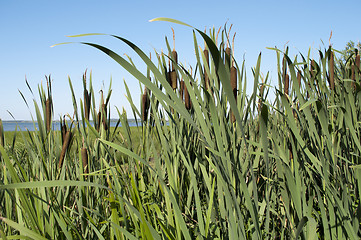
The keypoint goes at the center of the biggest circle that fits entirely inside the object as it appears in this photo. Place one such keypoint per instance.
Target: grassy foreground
(226, 165)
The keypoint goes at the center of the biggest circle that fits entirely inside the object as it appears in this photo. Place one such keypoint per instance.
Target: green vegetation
(211, 161)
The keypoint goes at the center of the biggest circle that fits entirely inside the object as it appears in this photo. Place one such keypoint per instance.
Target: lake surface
(29, 125)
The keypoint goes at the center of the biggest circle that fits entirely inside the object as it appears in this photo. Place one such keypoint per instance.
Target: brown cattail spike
(63, 129)
(332, 71)
(287, 84)
(228, 56)
(48, 114)
(87, 98)
(84, 158)
(145, 105)
(173, 73)
(98, 121)
(187, 100)
(64, 148)
(182, 89)
(206, 78)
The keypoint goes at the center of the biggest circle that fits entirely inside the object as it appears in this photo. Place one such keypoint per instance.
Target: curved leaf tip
(86, 34)
(164, 19)
(61, 44)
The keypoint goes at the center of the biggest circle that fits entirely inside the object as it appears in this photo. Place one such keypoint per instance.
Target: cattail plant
(102, 114)
(48, 105)
(206, 78)
(187, 99)
(145, 104)
(228, 56)
(332, 71)
(286, 84)
(48, 114)
(173, 73)
(233, 76)
(64, 148)
(181, 90)
(87, 99)
(63, 129)
(260, 100)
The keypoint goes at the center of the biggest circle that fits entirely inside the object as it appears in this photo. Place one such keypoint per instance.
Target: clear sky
(29, 28)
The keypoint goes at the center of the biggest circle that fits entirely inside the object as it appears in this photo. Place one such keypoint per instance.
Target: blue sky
(29, 28)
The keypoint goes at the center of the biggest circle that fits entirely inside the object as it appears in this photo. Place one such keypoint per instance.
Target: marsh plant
(206, 161)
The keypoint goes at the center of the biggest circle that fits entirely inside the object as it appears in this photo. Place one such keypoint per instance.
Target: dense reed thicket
(210, 162)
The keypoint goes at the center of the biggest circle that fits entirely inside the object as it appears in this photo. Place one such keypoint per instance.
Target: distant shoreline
(24, 125)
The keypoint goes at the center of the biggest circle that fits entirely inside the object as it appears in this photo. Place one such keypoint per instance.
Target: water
(29, 125)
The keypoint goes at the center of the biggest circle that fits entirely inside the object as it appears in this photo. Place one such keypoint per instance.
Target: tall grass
(229, 165)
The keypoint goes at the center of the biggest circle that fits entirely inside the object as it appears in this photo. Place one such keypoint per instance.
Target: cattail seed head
(182, 89)
(187, 99)
(48, 114)
(228, 56)
(206, 78)
(84, 158)
(145, 105)
(287, 84)
(173, 79)
(63, 129)
(87, 98)
(99, 116)
(175, 57)
(64, 148)
(173, 73)
(332, 71)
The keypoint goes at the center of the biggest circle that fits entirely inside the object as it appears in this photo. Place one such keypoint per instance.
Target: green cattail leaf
(23, 230)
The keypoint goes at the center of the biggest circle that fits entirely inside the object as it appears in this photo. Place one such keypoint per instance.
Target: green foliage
(222, 165)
